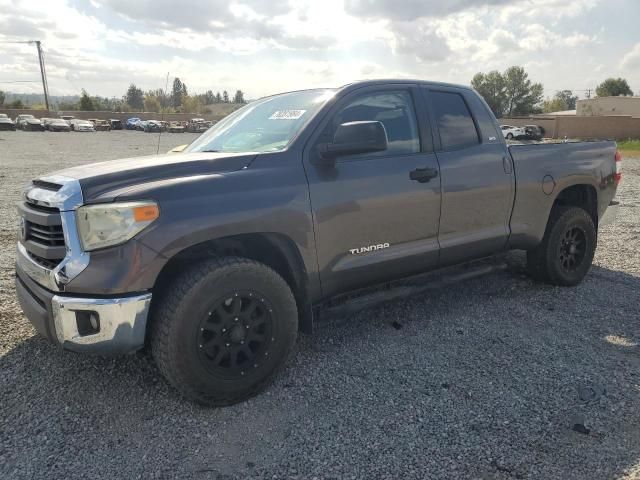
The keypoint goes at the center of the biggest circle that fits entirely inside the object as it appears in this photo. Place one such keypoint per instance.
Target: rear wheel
(509, 136)
(566, 252)
(224, 330)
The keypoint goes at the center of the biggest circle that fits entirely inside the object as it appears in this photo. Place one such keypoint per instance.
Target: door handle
(423, 175)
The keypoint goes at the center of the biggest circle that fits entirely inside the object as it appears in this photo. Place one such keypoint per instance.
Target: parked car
(510, 132)
(67, 118)
(115, 124)
(534, 132)
(197, 125)
(78, 125)
(57, 125)
(215, 257)
(152, 126)
(140, 125)
(102, 126)
(22, 118)
(132, 123)
(31, 124)
(175, 127)
(6, 123)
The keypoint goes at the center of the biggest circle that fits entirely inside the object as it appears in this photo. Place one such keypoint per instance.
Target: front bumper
(103, 326)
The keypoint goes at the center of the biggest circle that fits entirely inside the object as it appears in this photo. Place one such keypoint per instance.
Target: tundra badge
(370, 248)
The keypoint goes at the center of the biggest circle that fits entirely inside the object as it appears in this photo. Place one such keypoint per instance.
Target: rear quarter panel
(577, 163)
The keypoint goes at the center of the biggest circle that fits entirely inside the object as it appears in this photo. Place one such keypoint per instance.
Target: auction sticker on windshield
(287, 114)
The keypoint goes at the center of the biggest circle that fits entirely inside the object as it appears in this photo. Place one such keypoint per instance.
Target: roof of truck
(386, 81)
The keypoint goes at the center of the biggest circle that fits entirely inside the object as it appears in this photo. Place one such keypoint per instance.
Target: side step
(369, 297)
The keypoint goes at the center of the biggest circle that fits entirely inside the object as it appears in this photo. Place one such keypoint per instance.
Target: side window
(455, 123)
(394, 110)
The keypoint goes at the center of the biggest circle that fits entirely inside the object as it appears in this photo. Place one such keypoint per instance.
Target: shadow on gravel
(493, 378)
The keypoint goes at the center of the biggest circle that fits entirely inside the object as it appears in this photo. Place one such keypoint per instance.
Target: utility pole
(43, 73)
(43, 70)
(588, 95)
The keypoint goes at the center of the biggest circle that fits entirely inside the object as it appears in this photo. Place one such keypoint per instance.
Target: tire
(509, 136)
(555, 260)
(207, 352)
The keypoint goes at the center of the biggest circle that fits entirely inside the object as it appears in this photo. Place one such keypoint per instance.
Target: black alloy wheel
(236, 333)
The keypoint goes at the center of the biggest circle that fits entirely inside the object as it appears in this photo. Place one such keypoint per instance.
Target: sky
(269, 46)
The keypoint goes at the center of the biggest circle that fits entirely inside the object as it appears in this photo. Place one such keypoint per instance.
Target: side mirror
(178, 149)
(356, 137)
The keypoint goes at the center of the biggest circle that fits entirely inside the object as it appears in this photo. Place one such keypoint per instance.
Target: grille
(50, 235)
(42, 233)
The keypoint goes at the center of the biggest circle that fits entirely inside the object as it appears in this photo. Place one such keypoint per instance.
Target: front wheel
(509, 136)
(223, 330)
(566, 252)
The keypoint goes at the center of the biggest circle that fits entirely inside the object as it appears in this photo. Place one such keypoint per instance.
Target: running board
(366, 298)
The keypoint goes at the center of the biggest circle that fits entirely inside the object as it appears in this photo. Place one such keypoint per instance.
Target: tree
(66, 106)
(176, 93)
(521, 95)
(134, 98)
(568, 97)
(613, 87)
(492, 88)
(554, 105)
(17, 104)
(509, 93)
(225, 97)
(562, 100)
(151, 103)
(184, 90)
(218, 97)
(86, 104)
(209, 97)
(238, 97)
(191, 104)
(2, 97)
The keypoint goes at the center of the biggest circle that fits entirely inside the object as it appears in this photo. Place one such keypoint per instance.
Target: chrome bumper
(113, 326)
(610, 214)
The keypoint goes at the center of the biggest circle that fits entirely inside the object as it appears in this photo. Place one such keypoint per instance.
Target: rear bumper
(103, 326)
(610, 214)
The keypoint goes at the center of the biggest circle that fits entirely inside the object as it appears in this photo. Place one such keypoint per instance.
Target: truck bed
(543, 170)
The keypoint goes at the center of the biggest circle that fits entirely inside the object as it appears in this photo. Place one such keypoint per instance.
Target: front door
(374, 219)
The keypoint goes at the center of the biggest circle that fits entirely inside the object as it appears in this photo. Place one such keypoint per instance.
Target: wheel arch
(580, 195)
(272, 249)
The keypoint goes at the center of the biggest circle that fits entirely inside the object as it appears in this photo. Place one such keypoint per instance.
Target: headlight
(111, 224)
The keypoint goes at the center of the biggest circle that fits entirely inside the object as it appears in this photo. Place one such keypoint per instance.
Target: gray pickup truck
(215, 257)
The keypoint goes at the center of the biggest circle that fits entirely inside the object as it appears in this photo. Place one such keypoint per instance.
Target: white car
(510, 132)
(78, 125)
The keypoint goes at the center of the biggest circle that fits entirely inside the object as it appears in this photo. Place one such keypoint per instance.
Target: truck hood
(97, 179)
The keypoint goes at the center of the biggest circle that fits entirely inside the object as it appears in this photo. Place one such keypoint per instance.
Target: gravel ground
(480, 380)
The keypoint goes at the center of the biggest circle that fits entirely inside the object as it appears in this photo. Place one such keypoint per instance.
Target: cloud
(413, 9)
(419, 39)
(631, 60)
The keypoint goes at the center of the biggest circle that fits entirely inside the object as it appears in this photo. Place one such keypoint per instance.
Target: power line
(21, 81)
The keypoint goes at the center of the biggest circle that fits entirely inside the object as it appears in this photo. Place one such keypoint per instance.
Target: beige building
(600, 106)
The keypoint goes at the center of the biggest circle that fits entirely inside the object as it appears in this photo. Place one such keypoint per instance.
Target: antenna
(164, 95)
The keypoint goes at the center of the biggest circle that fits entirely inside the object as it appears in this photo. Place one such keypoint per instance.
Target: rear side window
(454, 120)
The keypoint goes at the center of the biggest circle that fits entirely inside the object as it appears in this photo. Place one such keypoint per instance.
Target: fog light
(88, 322)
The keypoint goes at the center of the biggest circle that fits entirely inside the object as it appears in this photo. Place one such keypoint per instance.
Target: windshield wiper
(211, 151)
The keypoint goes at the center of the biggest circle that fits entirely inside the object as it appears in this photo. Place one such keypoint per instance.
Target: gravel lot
(480, 380)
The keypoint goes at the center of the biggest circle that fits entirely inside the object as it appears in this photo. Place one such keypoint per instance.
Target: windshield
(266, 125)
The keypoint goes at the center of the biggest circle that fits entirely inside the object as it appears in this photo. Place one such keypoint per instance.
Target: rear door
(376, 214)
(476, 175)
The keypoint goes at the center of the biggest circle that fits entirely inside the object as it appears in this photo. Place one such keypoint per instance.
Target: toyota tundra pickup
(214, 258)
